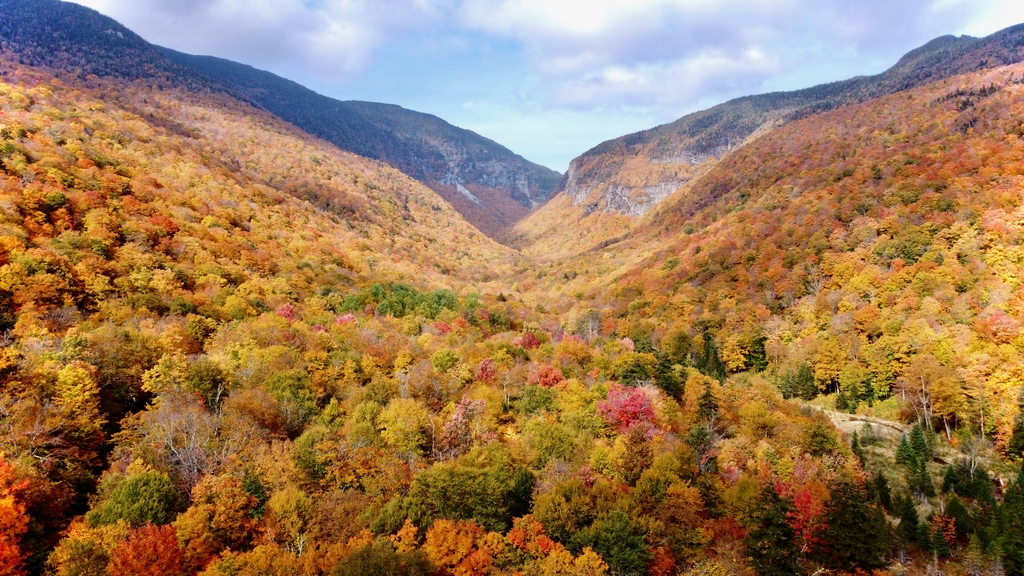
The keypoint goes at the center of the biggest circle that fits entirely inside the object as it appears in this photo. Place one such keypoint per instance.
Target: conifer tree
(707, 407)
(1015, 449)
(881, 492)
(771, 541)
(909, 520)
(1012, 516)
(856, 535)
(904, 453)
(919, 444)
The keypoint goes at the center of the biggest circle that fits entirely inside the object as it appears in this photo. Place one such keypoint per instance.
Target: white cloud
(668, 84)
(561, 60)
(586, 52)
(664, 52)
(324, 38)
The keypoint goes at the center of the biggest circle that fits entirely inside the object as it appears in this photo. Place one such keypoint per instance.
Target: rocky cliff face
(624, 195)
(632, 174)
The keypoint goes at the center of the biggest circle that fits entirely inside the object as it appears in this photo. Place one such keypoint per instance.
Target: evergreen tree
(1016, 447)
(757, 360)
(950, 481)
(909, 520)
(707, 406)
(842, 402)
(701, 440)
(856, 534)
(771, 541)
(881, 492)
(855, 447)
(904, 453)
(919, 444)
(710, 363)
(666, 377)
(805, 385)
(974, 558)
(961, 516)
(1012, 538)
(924, 537)
(920, 481)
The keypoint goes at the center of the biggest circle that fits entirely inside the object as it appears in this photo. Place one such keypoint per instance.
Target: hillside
(487, 183)
(208, 366)
(74, 39)
(230, 348)
(863, 242)
(137, 223)
(632, 174)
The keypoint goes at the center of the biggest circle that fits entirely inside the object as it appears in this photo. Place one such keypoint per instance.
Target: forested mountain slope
(491, 186)
(632, 174)
(870, 243)
(487, 183)
(229, 348)
(137, 222)
(71, 38)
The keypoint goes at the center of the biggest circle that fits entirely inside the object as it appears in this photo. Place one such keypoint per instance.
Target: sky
(550, 79)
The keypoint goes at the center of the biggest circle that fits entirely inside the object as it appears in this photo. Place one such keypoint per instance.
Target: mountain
(491, 186)
(80, 41)
(144, 220)
(631, 174)
(875, 247)
(229, 347)
(487, 183)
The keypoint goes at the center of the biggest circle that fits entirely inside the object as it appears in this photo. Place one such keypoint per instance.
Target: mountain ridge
(597, 179)
(487, 183)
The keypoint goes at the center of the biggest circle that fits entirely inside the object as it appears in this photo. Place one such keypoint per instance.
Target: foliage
(771, 541)
(137, 499)
(381, 558)
(309, 367)
(150, 550)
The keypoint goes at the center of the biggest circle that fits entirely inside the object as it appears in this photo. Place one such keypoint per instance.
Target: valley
(782, 336)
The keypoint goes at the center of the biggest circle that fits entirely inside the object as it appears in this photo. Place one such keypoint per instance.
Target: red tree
(148, 551)
(626, 407)
(13, 521)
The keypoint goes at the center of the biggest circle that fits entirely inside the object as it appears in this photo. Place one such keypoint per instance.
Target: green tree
(771, 540)
(143, 498)
(1015, 449)
(909, 520)
(707, 407)
(919, 444)
(710, 362)
(856, 534)
(296, 399)
(1011, 541)
(484, 485)
(667, 375)
(619, 543)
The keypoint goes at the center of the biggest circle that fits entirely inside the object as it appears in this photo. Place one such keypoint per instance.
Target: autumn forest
(229, 347)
